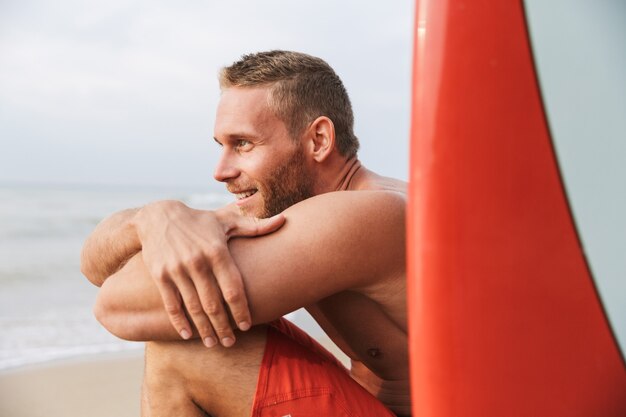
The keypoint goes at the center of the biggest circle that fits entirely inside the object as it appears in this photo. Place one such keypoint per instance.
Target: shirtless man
(209, 303)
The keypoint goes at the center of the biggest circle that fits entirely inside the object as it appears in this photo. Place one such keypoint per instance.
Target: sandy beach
(103, 385)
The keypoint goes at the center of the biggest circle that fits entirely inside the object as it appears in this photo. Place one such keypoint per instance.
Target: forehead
(245, 112)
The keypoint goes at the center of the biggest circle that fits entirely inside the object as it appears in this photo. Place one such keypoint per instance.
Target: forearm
(118, 237)
(109, 246)
(130, 306)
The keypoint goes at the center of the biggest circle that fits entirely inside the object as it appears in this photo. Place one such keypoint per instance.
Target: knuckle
(214, 250)
(212, 308)
(232, 295)
(195, 309)
(177, 268)
(172, 310)
(205, 329)
(160, 274)
(223, 330)
(196, 260)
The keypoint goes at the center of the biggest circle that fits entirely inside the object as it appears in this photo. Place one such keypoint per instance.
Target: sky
(125, 91)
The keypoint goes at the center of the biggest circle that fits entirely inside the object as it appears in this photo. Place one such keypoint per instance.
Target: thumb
(253, 226)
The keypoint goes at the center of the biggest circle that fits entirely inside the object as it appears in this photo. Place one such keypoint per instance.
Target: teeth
(244, 194)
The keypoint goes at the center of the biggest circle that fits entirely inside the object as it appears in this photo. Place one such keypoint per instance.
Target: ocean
(45, 302)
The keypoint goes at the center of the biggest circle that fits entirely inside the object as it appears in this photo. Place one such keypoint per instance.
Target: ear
(321, 135)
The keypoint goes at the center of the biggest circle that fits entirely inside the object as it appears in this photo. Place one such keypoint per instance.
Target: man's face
(260, 163)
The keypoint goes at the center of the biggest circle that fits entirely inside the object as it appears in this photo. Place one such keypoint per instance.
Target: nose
(225, 169)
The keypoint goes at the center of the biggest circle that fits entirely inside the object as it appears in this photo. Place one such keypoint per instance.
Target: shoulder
(345, 227)
(361, 203)
(363, 219)
(372, 222)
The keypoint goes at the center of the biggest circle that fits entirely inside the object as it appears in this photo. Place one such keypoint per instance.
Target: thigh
(220, 381)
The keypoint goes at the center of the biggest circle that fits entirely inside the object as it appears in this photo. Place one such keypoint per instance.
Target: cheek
(249, 170)
(262, 167)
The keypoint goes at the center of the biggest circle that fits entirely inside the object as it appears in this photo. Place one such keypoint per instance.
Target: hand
(187, 255)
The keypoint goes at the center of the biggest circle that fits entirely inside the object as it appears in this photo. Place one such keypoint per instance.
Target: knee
(190, 360)
(214, 379)
(165, 391)
(166, 373)
(171, 359)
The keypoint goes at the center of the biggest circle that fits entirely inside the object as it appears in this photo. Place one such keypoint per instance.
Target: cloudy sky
(124, 92)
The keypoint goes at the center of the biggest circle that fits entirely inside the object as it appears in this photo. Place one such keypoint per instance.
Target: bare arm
(330, 243)
(113, 242)
(186, 254)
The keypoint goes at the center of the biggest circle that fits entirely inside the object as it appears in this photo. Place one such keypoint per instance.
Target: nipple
(374, 352)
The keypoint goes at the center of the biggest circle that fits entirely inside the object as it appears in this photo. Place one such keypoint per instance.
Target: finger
(253, 226)
(195, 309)
(212, 301)
(233, 291)
(173, 308)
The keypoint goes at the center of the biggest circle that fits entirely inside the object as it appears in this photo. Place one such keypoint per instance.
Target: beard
(286, 185)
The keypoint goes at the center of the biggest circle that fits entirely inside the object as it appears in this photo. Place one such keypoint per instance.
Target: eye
(243, 144)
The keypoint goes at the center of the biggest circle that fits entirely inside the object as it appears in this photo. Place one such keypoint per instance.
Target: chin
(252, 212)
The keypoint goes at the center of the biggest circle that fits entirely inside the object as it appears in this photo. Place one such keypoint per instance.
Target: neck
(338, 175)
(347, 174)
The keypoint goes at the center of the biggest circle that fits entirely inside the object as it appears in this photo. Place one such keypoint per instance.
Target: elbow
(90, 275)
(113, 318)
(87, 268)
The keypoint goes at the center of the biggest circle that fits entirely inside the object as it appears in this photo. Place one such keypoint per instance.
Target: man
(182, 279)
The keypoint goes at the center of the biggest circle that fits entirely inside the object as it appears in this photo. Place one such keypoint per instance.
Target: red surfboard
(504, 316)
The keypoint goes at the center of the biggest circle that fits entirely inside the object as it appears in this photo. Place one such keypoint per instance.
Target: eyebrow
(236, 136)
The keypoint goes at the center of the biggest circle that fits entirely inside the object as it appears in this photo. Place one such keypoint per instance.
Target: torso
(379, 349)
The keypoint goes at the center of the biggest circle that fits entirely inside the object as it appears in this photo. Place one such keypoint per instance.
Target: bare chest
(366, 331)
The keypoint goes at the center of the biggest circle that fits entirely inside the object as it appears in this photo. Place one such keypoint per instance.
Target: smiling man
(265, 170)
(210, 303)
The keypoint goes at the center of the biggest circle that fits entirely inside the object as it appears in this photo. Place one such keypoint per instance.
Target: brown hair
(303, 88)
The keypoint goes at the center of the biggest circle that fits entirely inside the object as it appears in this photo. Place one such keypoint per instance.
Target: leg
(187, 379)
(145, 409)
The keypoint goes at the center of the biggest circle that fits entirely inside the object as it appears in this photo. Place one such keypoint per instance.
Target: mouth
(245, 194)
(242, 195)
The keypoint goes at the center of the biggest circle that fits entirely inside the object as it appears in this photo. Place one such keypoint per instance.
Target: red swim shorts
(299, 378)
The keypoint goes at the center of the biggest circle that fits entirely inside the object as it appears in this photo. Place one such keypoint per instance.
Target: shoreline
(71, 358)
